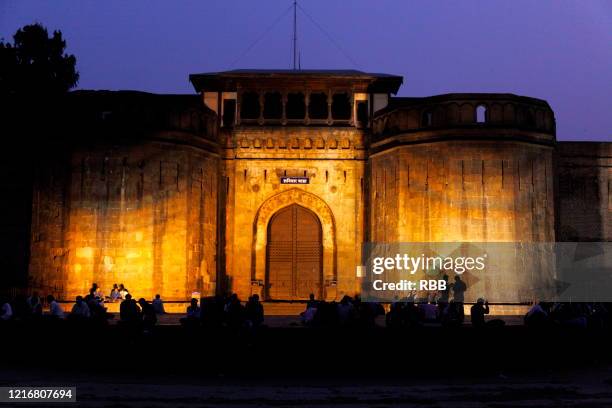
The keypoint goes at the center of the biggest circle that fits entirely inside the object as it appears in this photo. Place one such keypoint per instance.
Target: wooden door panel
(307, 226)
(294, 254)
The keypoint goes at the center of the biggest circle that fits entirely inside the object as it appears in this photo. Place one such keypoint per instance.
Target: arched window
(317, 106)
(249, 107)
(481, 114)
(273, 105)
(427, 119)
(296, 107)
(341, 106)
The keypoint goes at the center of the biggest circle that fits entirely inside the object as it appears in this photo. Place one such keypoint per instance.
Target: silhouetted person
(537, 316)
(366, 312)
(478, 312)
(211, 311)
(55, 310)
(129, 312)
(311, 301)
(158, 305)
(193, 314)
(6, 310)
(123, 292)
(80, 310)
(444, 294)
(345, 311)
(35, 304)
(96, 292)
(459, 288)
(309, 314)
(234, 312)
(149, 316)
(254, 311)
(114, 294)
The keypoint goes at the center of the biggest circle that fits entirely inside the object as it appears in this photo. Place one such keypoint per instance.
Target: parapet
(130, 116)
(463, 116)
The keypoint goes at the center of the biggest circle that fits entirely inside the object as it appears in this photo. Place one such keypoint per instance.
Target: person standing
(158, 305)
(254, 311)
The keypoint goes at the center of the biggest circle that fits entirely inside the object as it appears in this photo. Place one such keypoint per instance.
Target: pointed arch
(279, 201)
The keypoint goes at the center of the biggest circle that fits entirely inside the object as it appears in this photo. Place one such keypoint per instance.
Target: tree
(36, 63)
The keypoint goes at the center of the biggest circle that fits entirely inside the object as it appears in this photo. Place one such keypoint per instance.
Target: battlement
(471, 115)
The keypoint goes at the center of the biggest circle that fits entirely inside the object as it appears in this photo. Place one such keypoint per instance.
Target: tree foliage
(36, 63)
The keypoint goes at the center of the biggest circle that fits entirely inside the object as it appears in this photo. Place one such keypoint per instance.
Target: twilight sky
(557, 50)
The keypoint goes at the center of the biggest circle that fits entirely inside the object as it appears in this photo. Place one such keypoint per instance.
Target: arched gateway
(294, 254)
(294, 246)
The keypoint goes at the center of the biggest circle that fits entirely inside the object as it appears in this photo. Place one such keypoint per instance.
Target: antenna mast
(294, 33)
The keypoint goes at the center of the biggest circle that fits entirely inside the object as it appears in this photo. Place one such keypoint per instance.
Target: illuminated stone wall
(174, 205)
(144, 216)
(448, 178)
(585, 191)
(333, 160)
(463, 191)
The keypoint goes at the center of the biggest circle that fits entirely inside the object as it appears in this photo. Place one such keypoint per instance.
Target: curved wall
(445, 181)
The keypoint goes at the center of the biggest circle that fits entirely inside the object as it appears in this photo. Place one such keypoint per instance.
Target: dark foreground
(424, 367)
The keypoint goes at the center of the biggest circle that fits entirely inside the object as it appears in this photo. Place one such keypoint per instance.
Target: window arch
(481, 114)
(427, 118)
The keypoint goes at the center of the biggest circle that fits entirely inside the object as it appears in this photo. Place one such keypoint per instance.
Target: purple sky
(557, 50)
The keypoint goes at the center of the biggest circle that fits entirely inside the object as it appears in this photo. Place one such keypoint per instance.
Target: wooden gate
(294, 255)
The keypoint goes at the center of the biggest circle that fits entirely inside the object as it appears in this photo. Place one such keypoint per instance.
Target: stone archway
(279, 201)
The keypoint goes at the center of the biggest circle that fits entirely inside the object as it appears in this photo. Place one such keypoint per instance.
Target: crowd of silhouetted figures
(229, 311)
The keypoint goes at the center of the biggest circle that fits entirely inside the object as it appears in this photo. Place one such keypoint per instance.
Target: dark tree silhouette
(36, 63)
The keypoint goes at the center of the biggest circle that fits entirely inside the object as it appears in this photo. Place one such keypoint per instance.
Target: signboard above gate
(295, 180)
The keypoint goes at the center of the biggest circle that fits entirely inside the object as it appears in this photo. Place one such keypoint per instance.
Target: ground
(294, 366)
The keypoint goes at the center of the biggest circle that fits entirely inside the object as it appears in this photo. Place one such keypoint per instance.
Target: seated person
(114, 294)
(80, 309)
(193, 314)
(478, 312)
(129, 312)
(35, 304)
(536, 316)
(6, 311)
(98, 294)
(193, 310)
(149, 317)
(123, 292)
(55, 310)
